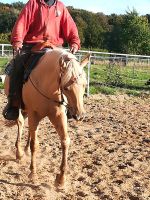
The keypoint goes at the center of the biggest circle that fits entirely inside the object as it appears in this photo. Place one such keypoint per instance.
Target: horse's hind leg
(20, 124)
(33, 129)
(60, 123)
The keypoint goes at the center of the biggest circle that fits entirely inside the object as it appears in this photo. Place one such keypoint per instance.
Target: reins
(59, 102)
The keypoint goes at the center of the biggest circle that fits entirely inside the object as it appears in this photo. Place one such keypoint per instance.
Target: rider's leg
(11, 111)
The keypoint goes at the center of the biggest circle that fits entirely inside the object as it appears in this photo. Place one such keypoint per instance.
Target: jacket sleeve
(69, 28)
(22, 24)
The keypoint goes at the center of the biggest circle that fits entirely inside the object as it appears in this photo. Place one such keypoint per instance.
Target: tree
(131, 34)
(7, 21)
(114, 34)
(94, 31)
(81, 24)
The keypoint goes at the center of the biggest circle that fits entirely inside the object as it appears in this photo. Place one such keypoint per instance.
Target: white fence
(5, 50)
(97, 58)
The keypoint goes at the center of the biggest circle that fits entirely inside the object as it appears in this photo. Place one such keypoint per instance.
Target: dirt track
(109, 156)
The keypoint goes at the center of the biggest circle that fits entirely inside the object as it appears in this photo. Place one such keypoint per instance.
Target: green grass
(3, 62)
(123, 79)
(102, 89)
(1, 86)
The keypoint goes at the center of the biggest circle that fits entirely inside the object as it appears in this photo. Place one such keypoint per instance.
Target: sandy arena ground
(109, 156)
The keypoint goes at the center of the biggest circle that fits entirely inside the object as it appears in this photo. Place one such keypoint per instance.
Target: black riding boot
(11, 111)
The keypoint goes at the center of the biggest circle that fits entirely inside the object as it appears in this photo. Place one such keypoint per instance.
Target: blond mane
(73, 69)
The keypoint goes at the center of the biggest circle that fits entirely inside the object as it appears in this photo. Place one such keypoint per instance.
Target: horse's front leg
(61, 178)
(60, 123)
(27, 147)
(20, 124)
(33, 120)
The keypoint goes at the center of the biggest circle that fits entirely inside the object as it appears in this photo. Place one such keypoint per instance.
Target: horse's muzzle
(77, 117)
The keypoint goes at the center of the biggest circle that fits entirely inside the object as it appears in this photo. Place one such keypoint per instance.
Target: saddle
(31, 64)
(37, 51)
(42, 45)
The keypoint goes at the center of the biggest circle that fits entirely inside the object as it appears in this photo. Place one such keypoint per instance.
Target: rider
(39, 20)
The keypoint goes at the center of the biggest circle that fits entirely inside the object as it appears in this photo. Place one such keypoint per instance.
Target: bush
(4, 38)
(113, 76)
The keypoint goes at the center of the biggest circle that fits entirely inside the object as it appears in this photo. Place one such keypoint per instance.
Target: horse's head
(73, 83)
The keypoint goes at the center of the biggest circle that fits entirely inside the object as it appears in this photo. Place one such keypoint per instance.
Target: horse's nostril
(79, 117)
(69, 116)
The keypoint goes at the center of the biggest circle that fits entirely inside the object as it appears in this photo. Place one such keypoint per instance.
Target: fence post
(2, 49)
(88, 77)
(80, 57)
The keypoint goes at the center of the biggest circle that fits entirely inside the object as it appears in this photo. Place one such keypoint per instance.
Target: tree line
(128, 33)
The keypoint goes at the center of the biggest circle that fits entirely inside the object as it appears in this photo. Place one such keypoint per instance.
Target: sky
(107, 7)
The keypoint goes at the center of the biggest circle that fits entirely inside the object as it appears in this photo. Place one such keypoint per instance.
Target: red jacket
(37, 21)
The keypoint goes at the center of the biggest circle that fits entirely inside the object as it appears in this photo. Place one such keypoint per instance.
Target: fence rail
(125, 67)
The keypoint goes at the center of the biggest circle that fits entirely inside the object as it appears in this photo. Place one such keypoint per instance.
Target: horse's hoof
(33, 177)
(66, 169)
(60, 181)
(19, 155)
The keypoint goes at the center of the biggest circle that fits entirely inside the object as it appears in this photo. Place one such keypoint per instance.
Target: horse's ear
(85, 60)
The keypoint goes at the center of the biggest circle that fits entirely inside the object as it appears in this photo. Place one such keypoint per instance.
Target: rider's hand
(17, 47)
(16, 50)
(74, 48)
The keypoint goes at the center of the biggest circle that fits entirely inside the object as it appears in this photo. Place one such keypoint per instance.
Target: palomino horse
(58, 72)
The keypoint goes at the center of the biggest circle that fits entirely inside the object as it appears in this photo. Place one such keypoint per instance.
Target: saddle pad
(29, 66)
(31, 63)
